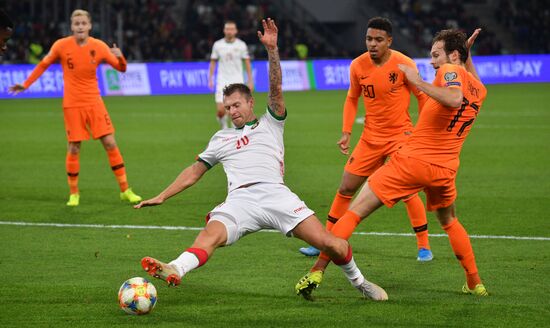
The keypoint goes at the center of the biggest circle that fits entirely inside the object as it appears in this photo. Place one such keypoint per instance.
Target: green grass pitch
(70, 276)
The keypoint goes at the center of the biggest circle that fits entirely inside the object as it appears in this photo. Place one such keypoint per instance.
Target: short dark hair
(5, 20)
(380, 23)
(241, 88)
(453, 39)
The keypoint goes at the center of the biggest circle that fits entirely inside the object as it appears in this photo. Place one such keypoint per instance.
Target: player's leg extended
(363, 205)
(419, 223)
(311, 231)
(348, 187)
(213, 236)
(72, 164)
(117, 165)
(462, 247)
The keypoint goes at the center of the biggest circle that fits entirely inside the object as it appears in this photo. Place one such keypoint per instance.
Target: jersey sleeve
(244, 51)
(214, 55)
(449, 76)
(350, 106)
(118, 63)
(210, 155)
(43, 65)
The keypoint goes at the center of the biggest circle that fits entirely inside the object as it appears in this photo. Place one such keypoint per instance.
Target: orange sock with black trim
(117, 165)
(339, 206)
(72, 164)
(419, 222)
(460, 242)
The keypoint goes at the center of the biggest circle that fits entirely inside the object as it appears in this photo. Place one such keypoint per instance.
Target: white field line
(107, 226)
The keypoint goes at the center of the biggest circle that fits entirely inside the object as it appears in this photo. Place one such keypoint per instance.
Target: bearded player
(429, 160)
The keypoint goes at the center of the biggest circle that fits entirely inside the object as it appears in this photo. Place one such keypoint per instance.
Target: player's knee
(347, 189)
(330, 244)
(74, 148)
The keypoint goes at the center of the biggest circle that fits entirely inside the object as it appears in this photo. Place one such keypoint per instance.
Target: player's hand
(250, 85)
(269, 37)
(211, 84)
(411, 73)
(150, 202)
(343, 143)
(116, 51)
(472, 38)
(17, 88)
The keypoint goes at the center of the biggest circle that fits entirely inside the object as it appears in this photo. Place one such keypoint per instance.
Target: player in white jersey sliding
(252, 156)
(229, 52)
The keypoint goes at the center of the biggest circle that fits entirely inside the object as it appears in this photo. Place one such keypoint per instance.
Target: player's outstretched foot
(308, 283)
(74, 200)
(130, 196)
(479, 290)
(309, 251)
(372, 291)
(424, 255)
(160, 270)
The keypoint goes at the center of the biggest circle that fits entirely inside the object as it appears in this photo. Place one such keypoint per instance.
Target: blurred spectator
(420, 20)
(529, 22)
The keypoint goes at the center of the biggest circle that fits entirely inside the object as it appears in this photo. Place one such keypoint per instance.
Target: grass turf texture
(70, 276)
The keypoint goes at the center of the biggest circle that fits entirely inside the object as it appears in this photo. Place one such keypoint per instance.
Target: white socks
(353, 273)
(185, 263)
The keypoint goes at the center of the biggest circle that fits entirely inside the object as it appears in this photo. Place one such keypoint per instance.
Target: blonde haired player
(229, 53)
(83, 108)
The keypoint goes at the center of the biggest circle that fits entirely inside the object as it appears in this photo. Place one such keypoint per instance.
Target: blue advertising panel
(178, 78)
(331, 74)
(513, 68)
(192, 77)
(49, 85)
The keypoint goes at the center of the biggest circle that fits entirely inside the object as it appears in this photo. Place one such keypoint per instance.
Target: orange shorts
(367, 157)
(79, 121)
(403, 176)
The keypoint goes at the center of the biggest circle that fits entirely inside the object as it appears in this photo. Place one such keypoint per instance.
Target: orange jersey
(440, 131)
(79, 68)
(386, 95)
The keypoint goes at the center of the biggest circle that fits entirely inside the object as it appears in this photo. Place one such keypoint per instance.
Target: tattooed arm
(269, 39)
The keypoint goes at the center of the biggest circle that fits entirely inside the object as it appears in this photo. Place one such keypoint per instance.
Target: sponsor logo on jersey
(301, 208)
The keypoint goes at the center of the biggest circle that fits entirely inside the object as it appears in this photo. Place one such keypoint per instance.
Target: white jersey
(254, 153)
(230, 57)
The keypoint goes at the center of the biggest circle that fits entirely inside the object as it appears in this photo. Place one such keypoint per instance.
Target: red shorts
(367, 157)
(403, 176)
(79, 121)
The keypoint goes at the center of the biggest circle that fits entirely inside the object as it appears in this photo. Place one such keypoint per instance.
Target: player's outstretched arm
(269, 40)
(470, 67)
(450, 97)
(188, 177)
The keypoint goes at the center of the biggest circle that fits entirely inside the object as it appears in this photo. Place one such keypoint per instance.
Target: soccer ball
(137, 296)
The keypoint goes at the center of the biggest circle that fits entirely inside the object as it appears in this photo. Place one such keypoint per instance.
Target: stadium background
(68, 276)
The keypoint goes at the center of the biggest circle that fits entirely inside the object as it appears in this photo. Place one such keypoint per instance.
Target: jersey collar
(254, 121)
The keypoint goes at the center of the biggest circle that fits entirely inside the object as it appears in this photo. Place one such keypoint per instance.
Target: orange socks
(117, 165)
(419, 222)
(72, 164)
(339, 206)
(460, 242)
(344, 228)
